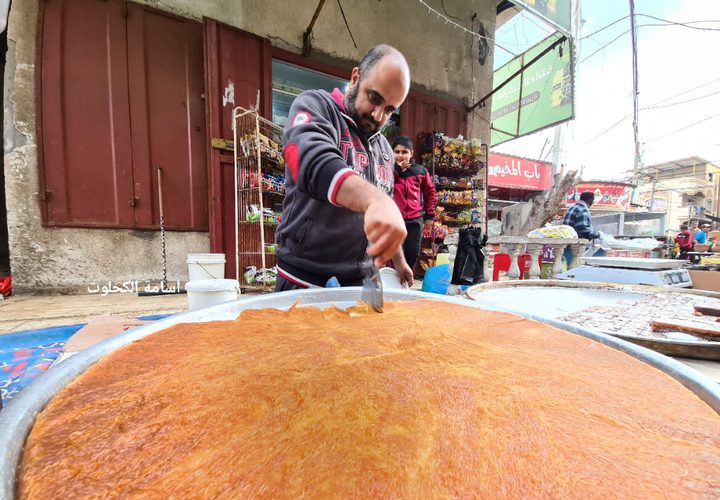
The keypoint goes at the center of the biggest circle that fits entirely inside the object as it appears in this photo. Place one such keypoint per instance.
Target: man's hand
(384, 226)
(403, 269)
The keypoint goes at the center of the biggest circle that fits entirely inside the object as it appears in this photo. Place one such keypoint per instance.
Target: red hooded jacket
(409, 185)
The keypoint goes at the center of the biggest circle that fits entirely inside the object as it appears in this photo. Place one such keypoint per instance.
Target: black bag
(468, 267)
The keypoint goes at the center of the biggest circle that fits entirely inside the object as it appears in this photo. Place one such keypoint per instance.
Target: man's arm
(384, 226)
(311, 149)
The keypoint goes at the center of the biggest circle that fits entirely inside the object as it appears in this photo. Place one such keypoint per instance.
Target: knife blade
(372, 290)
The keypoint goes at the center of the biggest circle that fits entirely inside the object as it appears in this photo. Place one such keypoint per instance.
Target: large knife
(372, 290)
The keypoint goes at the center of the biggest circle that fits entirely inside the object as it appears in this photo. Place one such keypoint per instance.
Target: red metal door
(424, 113)
(84, 126)
(168, 118)
(237, 73)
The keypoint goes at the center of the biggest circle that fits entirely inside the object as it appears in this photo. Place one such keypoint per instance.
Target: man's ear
(355, 76)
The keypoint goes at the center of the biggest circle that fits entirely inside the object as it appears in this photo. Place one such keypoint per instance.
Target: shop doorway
(4, 241)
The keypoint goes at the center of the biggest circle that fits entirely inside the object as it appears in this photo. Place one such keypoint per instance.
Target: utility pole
(638, 160)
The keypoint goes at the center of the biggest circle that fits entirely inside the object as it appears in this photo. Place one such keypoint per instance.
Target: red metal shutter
(241, 61)
(165, 70)
(424, 113)
(83, 125)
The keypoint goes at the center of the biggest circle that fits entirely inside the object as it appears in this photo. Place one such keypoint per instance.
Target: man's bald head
(393, 60)
(378, 86)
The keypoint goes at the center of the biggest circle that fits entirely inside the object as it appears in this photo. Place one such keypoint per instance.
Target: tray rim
(17, 420)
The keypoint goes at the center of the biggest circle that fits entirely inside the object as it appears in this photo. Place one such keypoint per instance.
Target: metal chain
(164, 254)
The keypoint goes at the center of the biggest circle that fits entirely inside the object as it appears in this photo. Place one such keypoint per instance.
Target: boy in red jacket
(414, 195)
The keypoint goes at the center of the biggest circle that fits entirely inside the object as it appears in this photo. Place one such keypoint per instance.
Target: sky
(678, 83)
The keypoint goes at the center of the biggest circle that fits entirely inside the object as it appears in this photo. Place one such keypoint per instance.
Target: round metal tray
(17, 420)
(555, 298)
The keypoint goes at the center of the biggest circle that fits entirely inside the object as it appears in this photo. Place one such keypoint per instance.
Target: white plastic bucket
(206, 293)
(390, 279)
(206, 266)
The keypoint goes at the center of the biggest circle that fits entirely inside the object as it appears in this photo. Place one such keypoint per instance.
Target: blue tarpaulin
(27, 354)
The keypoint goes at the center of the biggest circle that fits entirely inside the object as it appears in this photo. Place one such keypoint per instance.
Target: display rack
(459, 170)
(259, 190)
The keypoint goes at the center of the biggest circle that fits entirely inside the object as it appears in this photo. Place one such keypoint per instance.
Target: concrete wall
(443, 61)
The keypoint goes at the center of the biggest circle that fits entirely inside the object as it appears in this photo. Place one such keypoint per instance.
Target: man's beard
(365, 122)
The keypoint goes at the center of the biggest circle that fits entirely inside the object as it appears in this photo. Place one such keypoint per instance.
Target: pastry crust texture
(426, 400)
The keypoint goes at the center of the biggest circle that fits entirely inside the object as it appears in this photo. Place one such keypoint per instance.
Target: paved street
(28, 312)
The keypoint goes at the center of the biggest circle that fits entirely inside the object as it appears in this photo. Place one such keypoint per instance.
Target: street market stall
(623, 311)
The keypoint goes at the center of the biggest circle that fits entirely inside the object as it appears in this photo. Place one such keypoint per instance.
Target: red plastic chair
(524, 261)
(502, 263)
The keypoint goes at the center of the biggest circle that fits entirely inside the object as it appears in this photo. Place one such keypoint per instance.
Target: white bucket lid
(222, 285)
(390, 278)
(206, 258)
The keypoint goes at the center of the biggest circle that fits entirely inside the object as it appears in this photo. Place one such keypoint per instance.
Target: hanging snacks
(467, 197)
(273, 183)
(454, 157)
(252, 214)
(440, 231)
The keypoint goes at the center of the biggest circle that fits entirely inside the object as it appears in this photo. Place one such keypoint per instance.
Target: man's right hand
(384, 228)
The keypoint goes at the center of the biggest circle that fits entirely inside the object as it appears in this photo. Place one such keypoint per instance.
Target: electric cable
(682, 128)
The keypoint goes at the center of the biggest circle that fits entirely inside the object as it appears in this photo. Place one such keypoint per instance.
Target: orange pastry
(426, 400)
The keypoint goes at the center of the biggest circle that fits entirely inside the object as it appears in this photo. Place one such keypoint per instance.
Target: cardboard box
(99, 329)
(705, 280)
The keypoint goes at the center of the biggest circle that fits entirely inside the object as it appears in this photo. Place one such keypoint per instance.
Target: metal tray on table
(554, 299)
(17, 420)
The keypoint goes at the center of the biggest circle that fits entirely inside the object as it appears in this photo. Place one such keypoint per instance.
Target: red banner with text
(519, 173)
(611, 195)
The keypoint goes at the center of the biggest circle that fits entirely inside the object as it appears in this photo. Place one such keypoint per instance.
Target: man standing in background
(578, 217)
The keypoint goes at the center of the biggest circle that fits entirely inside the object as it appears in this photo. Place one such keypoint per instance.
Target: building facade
(686, 190)
(100, 93)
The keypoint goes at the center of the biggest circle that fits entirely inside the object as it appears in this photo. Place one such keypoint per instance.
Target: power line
(628, 31)
(604, 27)
(689, 90)
(607, 130)
(682, 128)
(652, 107)
(666, 21)
(681, 102)
(463, 28)
(685, 24)
(604, 46)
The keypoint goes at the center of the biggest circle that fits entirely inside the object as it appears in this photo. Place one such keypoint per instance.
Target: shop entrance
(4, 243)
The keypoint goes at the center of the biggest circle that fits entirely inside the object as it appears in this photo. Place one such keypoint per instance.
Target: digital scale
(666, 273)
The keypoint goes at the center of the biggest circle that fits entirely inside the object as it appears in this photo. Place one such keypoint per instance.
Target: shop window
(120, 93)
(289, 81)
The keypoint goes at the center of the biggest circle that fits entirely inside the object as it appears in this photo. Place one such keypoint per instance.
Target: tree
(522, 218)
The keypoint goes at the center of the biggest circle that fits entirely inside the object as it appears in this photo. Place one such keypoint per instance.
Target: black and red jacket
(409, 185)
